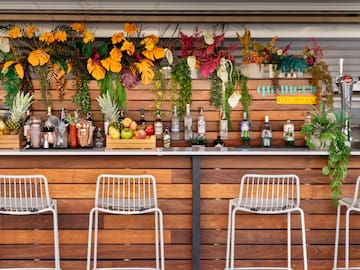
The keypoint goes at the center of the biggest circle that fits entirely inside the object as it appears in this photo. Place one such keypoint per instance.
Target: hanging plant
(158, 91)
(322, 79)
(181, 85)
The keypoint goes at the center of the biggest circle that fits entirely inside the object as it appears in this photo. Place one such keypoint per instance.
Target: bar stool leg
(96, 228)
(232, 253)
(303, 238)
(88, 262)
(56, 237)
(337, 232)
(347, 238)
(156, 215)
(162, 253)
(289, 239)
(228, 238)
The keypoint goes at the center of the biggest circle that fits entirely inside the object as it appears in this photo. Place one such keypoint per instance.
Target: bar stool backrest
(269, 193)
(23, 194)
(127, 194)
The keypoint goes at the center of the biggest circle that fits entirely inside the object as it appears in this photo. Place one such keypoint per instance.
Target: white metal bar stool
(29, 195)
(126, 195)
(266, 194)
(351, 204)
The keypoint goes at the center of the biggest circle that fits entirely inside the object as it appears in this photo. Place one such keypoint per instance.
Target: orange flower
(116, 54)
(60, 36)
(38, 57)
(110, 64)
(47, 37)
(30, 31)
(129, 47)
(78, 27)
(117, 37)
(88, 37)
(95, 69)
(14, 32)
(155, 53)
(18, 68)
(131, 29)
(145, 68)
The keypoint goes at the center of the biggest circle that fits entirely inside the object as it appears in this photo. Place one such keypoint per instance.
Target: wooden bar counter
(194, 187)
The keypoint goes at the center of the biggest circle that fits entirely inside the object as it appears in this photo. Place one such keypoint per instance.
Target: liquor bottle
(245, 129)
(175, 126)
(201, 124)
(27, 126)
(121, 118)
(219, 143)
(158, 125)
(89, 118)
(308, 118)
(266, 134)
(167, 138)
(289, 133)
(224, 132)
(49, 129)
(187, 124)
(142, 121)
(63, 115)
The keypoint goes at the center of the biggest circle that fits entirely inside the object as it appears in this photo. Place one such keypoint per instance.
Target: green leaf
(87, 50)
(325, 170)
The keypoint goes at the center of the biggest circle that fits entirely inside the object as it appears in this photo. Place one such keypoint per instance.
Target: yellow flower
(78, 27)
(60, 36)
(47, 37)
(19, 70)
(30, 31)
(116, 54)
(88, 37)
(155, 53)
(117, 37)
(14, 32)
(110, 64)
(129, 47)
(131, 29)
(96, 70)
(145, 68)
(38, 57)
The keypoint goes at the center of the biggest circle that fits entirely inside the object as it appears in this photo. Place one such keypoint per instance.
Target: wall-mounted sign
(296, 100)
(265, 90)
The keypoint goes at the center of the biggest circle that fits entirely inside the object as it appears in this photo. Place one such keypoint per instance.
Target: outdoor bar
(195, 98)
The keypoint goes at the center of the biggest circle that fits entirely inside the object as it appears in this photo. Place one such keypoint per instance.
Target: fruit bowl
(148, 143)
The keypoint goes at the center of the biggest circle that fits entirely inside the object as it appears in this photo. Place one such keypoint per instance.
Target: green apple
(126, 133)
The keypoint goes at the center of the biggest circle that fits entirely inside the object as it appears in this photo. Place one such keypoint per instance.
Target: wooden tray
(130, 143)
(9, 141)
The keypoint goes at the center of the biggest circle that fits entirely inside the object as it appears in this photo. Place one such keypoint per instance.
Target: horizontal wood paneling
(260, 239)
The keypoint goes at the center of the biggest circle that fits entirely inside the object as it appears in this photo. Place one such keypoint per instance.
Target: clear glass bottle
(224, 132)
(266, 134)
(201, 124)
(245, 129)
(167, 138)
(187, 124)
(308, 118)
(35, 132)
(289, 133)
(175, 125)
(158, 125)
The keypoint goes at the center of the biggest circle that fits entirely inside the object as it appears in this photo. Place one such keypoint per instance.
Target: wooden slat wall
(261, 239)
(142, 97)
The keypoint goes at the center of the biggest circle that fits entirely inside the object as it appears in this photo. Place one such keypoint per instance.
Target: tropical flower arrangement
(126, 58)
(205, 51)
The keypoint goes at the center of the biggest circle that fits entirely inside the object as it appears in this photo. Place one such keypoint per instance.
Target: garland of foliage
(246, 98)
(322, 79)
(42, 74)
(11, 83)
(81, 98)
(181, 86)
(158, 91)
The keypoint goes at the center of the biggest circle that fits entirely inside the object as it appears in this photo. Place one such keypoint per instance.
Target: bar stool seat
(29, 195)
(351, 204)
(266, 194)
(125, 195)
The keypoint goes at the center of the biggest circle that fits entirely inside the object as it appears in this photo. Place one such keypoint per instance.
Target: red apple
(150, 130)
(140, 134)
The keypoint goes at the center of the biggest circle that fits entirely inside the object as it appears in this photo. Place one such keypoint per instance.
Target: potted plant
(198, 142)
(325, 132)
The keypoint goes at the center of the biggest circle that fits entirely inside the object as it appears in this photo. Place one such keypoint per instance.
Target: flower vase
(252, 70)
(166, 72)
(73, 142)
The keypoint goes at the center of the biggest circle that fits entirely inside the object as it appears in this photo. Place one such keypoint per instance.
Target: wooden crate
(9, 141)
(130, 143)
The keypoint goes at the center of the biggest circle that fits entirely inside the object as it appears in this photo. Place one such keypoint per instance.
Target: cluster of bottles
(173, 133)
(55, 132)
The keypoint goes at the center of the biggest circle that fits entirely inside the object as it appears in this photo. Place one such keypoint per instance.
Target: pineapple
(109, 108)
(21, 104)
